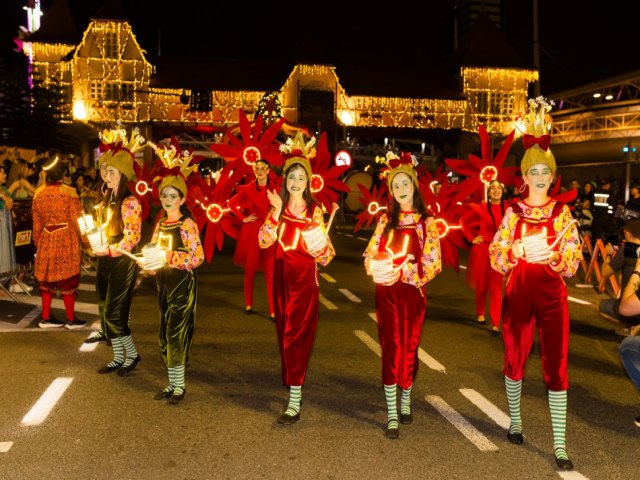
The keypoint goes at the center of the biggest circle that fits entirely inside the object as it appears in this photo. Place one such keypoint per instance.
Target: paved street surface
(94, 426)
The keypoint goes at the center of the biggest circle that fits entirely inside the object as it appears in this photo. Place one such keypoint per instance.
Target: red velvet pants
(536, 299)
(400, 311)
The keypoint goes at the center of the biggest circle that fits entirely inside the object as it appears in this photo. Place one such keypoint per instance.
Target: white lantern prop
(153, 257)
(534, 244)
(314, 235)
(98, 240)
(381, 267)
(85, 222)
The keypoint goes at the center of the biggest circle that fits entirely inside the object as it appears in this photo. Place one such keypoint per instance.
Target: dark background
(579, 45)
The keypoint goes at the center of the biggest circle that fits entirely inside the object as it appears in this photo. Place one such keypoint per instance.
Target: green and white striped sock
(130, 348)
(405, 401)
(390, 394)
(295, 398)
(514, 393)
(558, 410)
(118, 352)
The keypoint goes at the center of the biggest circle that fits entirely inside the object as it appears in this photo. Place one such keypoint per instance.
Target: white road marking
(327, 303)
(5, 446)
(363, 239)
(28, 318)
(577, 300)
(349, 295)
(488, 408)
(348, 235)
(369, 342)
(583, 285)
(423, 356)
(47, 401)
(573, 475)
(469, 431)
(328, 277)
(90, 347)
(87, 287)
(463, 267)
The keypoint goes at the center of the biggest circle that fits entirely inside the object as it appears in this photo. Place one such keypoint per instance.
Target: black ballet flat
(286, 419)
(126, 370)
(176, 398)
(563, 464)
(515, 438)
(392, 433)
(163, 394)
(406, 419)
(110, 368)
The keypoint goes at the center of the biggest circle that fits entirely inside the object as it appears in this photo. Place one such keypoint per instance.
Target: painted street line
(469, 431)
(573, 475)
(423, 356)
(327, 303)
(363, 239)
(328, 277)
(47, 401)
(348, 235)
(577, 300)
(488, 408)
(28, 318)
(369, 342)
(87, 287)
(5, 446)
(349, 295)
(90, 347)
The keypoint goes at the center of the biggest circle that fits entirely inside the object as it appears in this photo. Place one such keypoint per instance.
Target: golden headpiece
(395, 165)
(536, 125)
(297, 151)
(119, 152)
(175, 169)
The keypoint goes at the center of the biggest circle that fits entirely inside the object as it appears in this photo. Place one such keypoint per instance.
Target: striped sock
(390, 393)
(405, 401)
(178, 377)
(130, 348)
(295, 398)
(514, 393)
(558, 410)
(118, 352)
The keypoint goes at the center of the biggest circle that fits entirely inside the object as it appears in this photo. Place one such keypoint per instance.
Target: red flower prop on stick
(253, 145)
(211, 211)
(374, 202)
(483, 170)
(325, 181)
(143, 188)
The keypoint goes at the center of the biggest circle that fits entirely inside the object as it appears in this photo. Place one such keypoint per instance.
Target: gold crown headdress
(535, 125)
(175, 169)
(395, 164)
(119, 152)
(297, 151)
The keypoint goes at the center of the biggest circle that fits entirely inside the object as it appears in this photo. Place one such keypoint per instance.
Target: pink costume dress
(401, 307)
(535, 293)
(295, 289)
(252, 199)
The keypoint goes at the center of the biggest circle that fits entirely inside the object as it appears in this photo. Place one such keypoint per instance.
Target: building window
(201, 101)
(491, 103)
(111, 45)
(97, 91)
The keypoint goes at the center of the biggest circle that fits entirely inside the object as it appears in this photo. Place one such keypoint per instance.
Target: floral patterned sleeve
(500, 248)
(328, 252)
(374, 244)
(268, 233)
(570, 247)
(194, 256)
(132, 219)
(430, 259)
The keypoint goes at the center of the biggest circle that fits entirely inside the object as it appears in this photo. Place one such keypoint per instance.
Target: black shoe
(563, 464)
(286, 419)
(637, 421)
(163, 394)
(126, 370)
(51, 322)
(98, 337)
(176, 398)
(248, 310)
(515, 438)
(406, 419)
(108, 368)
(76, 323)
(392, 433)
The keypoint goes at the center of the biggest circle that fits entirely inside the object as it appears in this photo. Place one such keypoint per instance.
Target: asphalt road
(110, 427)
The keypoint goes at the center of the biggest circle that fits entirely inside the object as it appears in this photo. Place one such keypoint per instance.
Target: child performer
(409, 235)
(536, 245)
(295, 276)
(176, 280)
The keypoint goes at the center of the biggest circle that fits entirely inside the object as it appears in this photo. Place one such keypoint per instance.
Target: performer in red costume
(252, 199)
(295, 276)
(408, 235)
(479, 226)
(536, 245)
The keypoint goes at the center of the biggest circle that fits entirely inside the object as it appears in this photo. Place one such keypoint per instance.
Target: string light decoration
(269, 107)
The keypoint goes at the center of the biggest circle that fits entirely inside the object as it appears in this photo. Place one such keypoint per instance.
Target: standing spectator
(537, 245)
(295, 276)
(633, 203)
(253, 201)
(116, 273)
(410, 236)
(56, 209)
(7, 252)
(176, 280)
(604, 223)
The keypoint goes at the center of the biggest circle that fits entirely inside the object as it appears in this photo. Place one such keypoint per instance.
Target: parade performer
(177, 235)
(252, 199)
(56, 208)
(479, 226)
(116, 272)
(295, 277)
(536, 245)
(407, 237)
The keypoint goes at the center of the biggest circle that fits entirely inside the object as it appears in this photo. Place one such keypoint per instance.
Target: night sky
(579, 45)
